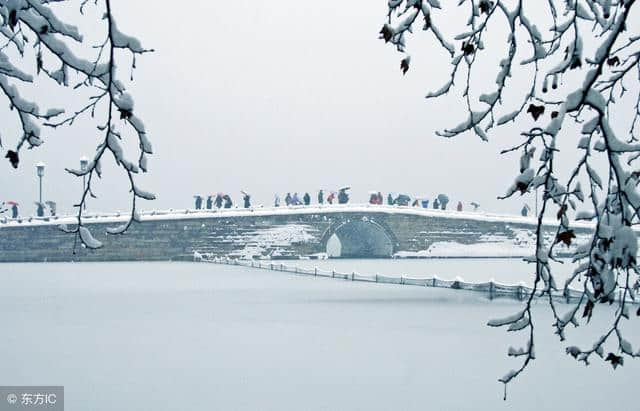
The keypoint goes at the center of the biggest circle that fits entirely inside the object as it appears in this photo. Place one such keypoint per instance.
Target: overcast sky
(275, 97)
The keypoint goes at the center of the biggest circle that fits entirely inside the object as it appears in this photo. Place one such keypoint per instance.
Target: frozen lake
(186, 336)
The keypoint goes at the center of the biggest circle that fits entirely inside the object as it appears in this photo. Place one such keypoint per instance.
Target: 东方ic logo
(12, 399)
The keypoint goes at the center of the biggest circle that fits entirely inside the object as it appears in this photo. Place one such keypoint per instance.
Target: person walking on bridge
(288, 199)
(343, 197)
(198, 202)
(247, 199)
(227, 201)
(295, 200)
(276, 201)
(306, 199)
(14, 210)
(390, 199)
(459, 208)
(219, 200)
(209, 202)
(320, 197)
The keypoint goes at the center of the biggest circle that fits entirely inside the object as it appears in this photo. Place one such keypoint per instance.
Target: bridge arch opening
(360, 239)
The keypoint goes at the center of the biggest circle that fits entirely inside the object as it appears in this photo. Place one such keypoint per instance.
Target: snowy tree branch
(36, 20)
(584, 72)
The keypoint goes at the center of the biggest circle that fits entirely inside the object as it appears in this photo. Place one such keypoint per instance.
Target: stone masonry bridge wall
(364, 231)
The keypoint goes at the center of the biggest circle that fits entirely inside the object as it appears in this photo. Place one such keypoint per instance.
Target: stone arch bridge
(356, 231)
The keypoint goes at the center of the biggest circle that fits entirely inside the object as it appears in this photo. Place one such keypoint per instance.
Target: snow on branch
(38, 22)
(581, 68)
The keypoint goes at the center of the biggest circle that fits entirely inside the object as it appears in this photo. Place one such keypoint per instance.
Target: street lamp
(84, 163)
(40, 172)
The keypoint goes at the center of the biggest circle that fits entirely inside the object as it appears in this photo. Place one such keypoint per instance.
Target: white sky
(275, 97)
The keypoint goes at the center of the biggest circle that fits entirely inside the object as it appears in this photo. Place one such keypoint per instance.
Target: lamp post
(40, 171)
(84, 163)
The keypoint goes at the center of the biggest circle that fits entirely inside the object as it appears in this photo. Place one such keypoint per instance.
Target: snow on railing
(492, 288)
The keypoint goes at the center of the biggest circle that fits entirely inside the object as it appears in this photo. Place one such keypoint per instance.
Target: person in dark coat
(343, 197)
(209, 202)
(525, 210)
(198, 202)
(380, 198)
(390, 199)
(331, 198)
(416, 203)
(14, 211)
(444, 200)
(459, 208)
(320, 197)
(40, 210)
(288, 199)
(227, 201)
(219, 201)
(247, 200)
(436, 204)
(306, 199)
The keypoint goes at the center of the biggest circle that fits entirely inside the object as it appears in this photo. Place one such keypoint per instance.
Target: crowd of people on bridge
(222, 200)
(440, 202)
(42, 209)
(341, 196)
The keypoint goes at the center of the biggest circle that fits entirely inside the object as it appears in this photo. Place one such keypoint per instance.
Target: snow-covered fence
(491, 288)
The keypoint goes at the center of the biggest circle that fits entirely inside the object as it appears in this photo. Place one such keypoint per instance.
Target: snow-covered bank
(478, 250)
(177, 336)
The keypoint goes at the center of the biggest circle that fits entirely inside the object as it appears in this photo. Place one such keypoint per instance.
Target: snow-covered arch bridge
(285, 232)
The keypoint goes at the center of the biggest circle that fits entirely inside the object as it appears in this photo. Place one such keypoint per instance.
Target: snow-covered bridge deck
(283, 232)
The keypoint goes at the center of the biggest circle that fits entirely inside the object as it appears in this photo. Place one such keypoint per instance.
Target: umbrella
(443, 198)
(11, 203)
(345, 189)
(403, 199)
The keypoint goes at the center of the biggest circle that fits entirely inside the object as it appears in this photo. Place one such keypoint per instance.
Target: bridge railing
(491, 288)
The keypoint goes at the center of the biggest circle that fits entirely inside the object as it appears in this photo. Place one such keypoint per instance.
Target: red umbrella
(12, 203)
